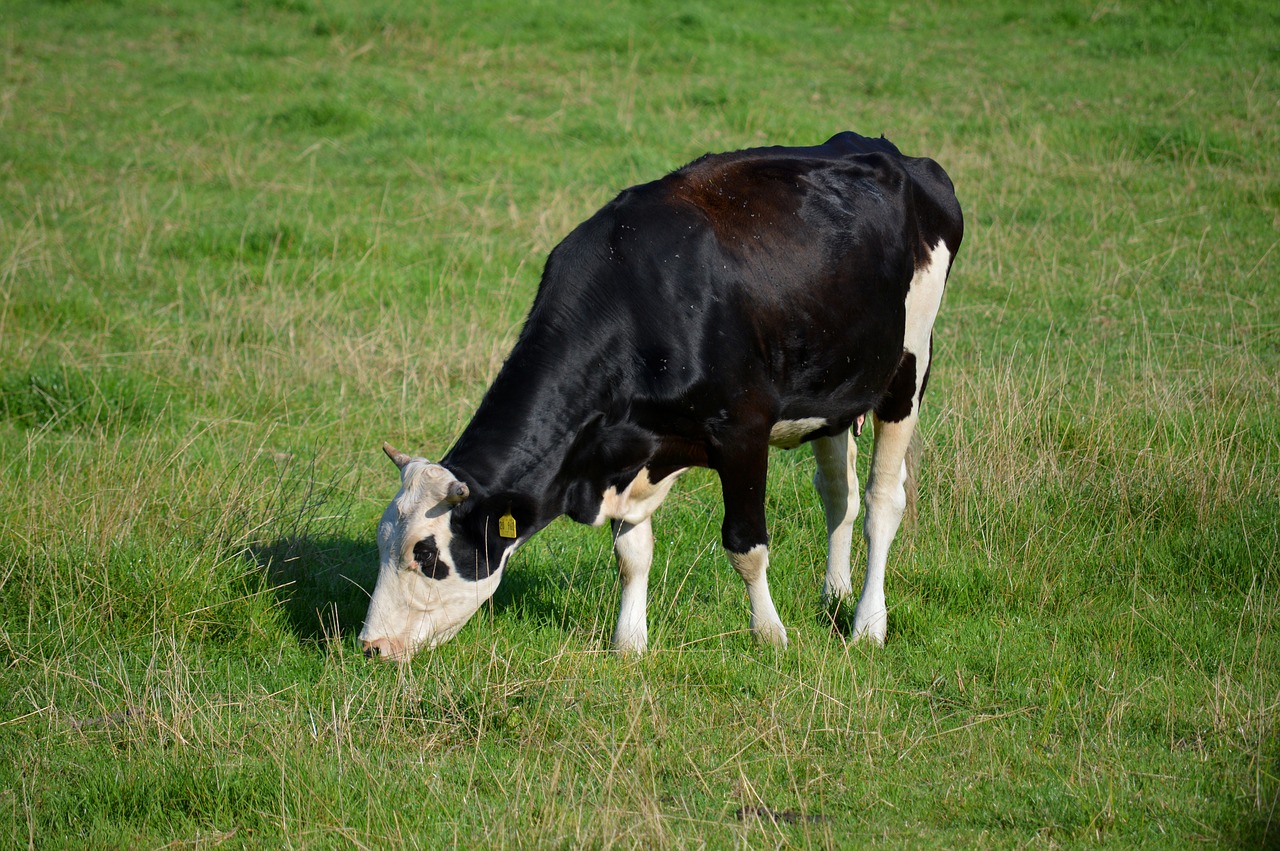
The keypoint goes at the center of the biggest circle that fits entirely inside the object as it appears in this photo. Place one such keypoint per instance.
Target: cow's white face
(422, 598)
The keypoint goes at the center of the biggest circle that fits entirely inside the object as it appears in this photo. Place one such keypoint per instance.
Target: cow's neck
(524, 432)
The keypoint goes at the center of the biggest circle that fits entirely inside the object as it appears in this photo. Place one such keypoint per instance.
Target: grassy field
(243, 243)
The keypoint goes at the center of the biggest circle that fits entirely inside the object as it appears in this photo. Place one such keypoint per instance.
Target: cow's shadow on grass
(322, 582)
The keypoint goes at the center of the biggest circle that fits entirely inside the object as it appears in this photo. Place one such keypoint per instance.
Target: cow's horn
(396, 455)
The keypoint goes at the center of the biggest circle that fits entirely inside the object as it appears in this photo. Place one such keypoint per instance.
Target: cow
(769, 296)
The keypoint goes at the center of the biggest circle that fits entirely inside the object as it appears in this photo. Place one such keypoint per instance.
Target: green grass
(243, 243)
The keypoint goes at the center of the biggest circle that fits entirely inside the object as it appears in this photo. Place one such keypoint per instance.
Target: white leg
(886, 500)
(836, 481)
(886, 486)
(753, 567)
(633, 545)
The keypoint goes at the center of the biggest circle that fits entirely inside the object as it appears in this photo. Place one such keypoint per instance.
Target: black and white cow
(771, 296)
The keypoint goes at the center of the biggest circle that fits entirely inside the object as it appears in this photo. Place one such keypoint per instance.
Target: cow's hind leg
(895, 420)
(886, 501)
(633, 545)
(836, 481)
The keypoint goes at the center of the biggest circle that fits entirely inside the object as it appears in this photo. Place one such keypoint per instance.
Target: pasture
(244, 242)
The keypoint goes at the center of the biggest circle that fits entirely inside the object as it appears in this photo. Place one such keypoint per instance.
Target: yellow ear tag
(506, 526)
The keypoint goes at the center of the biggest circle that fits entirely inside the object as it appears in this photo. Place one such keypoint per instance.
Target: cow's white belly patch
(637, 501)
(787, 434)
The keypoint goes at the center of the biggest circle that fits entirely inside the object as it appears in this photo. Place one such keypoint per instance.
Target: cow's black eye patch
(427, 556)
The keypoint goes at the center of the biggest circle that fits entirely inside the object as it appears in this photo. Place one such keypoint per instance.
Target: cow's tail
(912, 462)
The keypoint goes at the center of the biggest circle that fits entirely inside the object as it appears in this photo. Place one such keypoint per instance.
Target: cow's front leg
(753, 567)
(633, 545)
(745, 535)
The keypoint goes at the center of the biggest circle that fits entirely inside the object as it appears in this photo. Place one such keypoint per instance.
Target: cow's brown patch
(745, 201)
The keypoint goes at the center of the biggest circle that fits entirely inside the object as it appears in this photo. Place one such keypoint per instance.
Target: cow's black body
(676, 326)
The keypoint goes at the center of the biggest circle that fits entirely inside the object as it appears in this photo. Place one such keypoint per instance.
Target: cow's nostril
(383, 648)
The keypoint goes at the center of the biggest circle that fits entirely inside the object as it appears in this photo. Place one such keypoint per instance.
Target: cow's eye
(427, 558)
(425, 553)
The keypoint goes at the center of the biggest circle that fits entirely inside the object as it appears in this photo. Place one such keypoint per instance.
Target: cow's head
(441, 557)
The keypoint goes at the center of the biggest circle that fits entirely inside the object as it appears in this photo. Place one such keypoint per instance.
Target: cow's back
(776, 271)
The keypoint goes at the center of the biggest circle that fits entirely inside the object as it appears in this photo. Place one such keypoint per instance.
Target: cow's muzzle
(384, 648)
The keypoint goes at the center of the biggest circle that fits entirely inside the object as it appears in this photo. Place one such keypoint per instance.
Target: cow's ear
(458, 492)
